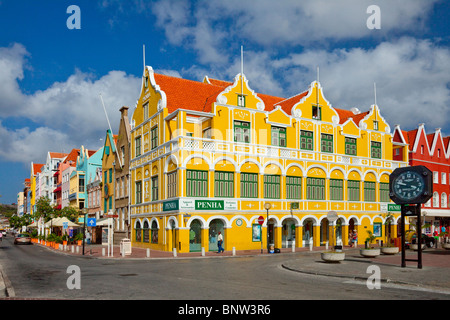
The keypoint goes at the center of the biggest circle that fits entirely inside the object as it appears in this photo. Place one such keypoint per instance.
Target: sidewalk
(435, 272)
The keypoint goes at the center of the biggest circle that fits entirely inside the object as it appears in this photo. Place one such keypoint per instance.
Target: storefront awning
(435, 213)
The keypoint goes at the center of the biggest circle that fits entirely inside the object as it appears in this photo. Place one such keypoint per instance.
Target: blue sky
(51, 76)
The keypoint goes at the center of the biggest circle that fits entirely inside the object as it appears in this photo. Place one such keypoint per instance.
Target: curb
(9, 290)
(336, 275)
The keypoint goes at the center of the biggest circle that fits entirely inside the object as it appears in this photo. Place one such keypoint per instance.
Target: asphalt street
(36, 272)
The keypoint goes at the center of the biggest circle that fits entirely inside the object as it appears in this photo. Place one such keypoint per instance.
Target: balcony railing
(226, 147)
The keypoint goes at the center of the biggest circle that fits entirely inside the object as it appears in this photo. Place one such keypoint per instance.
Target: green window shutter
(353, 188)
(293, 187)
(196, 183)
(375, 149)
(336, 189)
(384, 192)
(278, 137)
(224, 184)
(242, 131)
(350, 146)
(369, 191)
(306, 140)
(272, 186)
(315, 188)
(249, 185)
(137, 143)
(326, 142)
(155, 188)
(154, 137)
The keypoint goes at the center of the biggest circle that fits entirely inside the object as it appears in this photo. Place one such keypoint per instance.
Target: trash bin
(125, 246)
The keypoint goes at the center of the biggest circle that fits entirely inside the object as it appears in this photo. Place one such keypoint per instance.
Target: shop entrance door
(215, 227)
(195, 236)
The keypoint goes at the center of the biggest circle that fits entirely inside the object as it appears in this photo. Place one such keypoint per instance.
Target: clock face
(409, 185)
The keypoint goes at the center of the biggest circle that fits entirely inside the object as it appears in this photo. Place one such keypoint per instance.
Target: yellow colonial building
(207, 156)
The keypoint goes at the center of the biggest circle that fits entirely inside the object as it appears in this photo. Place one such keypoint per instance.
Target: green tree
(70, 213)
(44, 209)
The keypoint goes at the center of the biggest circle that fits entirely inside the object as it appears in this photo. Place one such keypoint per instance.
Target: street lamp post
(84, 210)
(267, 206)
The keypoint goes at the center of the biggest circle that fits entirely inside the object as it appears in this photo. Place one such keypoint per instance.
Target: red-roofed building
(432, 151)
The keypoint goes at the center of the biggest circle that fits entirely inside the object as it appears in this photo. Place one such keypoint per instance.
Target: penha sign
(209, 205)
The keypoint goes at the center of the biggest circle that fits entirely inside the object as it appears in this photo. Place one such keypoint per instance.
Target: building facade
(432, 151)
(35, 170)
(207, 156)
(86, 164)
(122, 177)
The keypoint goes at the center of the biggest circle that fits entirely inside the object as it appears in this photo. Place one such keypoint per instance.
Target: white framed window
(435, 199)
(443, 200)
(435, 177)
(443, 178)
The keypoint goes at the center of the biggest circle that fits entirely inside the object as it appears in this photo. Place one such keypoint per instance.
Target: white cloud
(69, 114)
(209, 27)
(412, 78)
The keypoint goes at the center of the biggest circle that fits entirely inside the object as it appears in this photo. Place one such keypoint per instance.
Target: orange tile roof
(220, 83)
(72, 156)
(57, 155)
(37, 167)
(186, 94)
(200, 96)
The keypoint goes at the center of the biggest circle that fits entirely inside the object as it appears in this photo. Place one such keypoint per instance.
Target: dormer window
(316, 112)
(241, 100)
(375, 125)
(146, 82)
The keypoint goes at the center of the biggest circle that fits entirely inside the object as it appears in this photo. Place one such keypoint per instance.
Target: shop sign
(394, 207)
(192, 204)
(209, 205)
(170, 205)
(391, 207)
(230, 204)
(187, 204)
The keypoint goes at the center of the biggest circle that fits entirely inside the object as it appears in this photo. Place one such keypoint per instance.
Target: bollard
(78, 249)
(310, 245)
(234, 251)
(103, 252)
(148, 253)
(293, 248)
(203, 251)
(174, 252)
(326, 245)
(73, 249)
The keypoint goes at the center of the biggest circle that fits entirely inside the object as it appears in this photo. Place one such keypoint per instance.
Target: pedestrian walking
(355, 238)
(220, 242)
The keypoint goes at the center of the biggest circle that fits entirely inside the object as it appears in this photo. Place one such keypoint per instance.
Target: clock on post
(410, 187)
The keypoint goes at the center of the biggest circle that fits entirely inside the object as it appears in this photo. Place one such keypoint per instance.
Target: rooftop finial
(143, 54)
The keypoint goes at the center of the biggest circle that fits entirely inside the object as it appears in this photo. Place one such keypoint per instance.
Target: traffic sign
(261, 220)
(91, 222)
